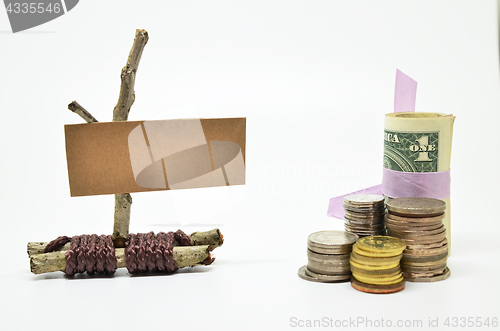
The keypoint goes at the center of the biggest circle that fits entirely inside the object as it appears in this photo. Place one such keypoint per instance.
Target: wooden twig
(126, 98)
(75, 107)
(127, 94)
(185, 256)
(213, 238)
(123, 202)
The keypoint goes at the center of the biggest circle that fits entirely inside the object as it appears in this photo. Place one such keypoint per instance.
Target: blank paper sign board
(124, 157)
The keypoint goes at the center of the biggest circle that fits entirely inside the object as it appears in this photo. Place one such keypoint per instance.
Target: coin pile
(375, 265)
(364, 214)
(328, 257)
(419, 222)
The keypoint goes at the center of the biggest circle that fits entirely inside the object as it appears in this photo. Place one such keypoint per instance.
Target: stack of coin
(419, 222)
(328, 257)
(375, 265)
(364, 214)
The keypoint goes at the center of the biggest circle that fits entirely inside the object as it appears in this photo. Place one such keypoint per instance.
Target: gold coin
(380, 281)
(384, 244)
(384, 276)
(376, 273)
(371, 260)
(377, 289)
(373, 267)
(359, 251)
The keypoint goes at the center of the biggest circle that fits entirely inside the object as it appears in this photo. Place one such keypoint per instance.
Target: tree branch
(212, 238)
(185, 256)
(75, 107)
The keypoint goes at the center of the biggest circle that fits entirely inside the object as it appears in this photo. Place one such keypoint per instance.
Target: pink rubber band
(398, 184)
(336, 205)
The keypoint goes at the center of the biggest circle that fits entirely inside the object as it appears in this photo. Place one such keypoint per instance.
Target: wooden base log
(213, 238)
(199, 254)
(185, 256)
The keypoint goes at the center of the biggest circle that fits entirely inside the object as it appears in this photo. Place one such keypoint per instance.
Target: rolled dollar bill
(417, 152)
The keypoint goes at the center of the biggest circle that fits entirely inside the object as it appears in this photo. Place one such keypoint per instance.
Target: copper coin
(416, 206)
(420, 240)
(411, 227)
(420, 220)
(422, 259)
(428, 273)
(423, 264)
(412, 233)
(427, 246)
(426, 252)
(414, 269)
(377, 289)
(431, 279)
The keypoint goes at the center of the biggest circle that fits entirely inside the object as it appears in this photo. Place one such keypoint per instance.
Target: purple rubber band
(336, 207)
(398, 184)
(405, 93)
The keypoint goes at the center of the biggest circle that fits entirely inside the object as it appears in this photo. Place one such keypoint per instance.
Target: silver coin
(365, 227)
(364, 199)
(326, 257)
(331, 239)
(329, 268)
(363, 222)
(302, 274)
(332, 251)
(364, 210)
(338, 277)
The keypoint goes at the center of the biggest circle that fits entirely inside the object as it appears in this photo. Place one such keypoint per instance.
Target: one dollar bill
(419, 142)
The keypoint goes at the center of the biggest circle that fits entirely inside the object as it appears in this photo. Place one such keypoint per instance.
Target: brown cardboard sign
(139, 156)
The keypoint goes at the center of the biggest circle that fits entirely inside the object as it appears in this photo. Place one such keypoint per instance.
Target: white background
(314, 79)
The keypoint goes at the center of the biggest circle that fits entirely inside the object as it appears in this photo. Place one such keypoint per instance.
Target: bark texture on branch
(121, 225)
(123, 202)
(185, 256)
(213, 238)
(127, 94)
(75, 107)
